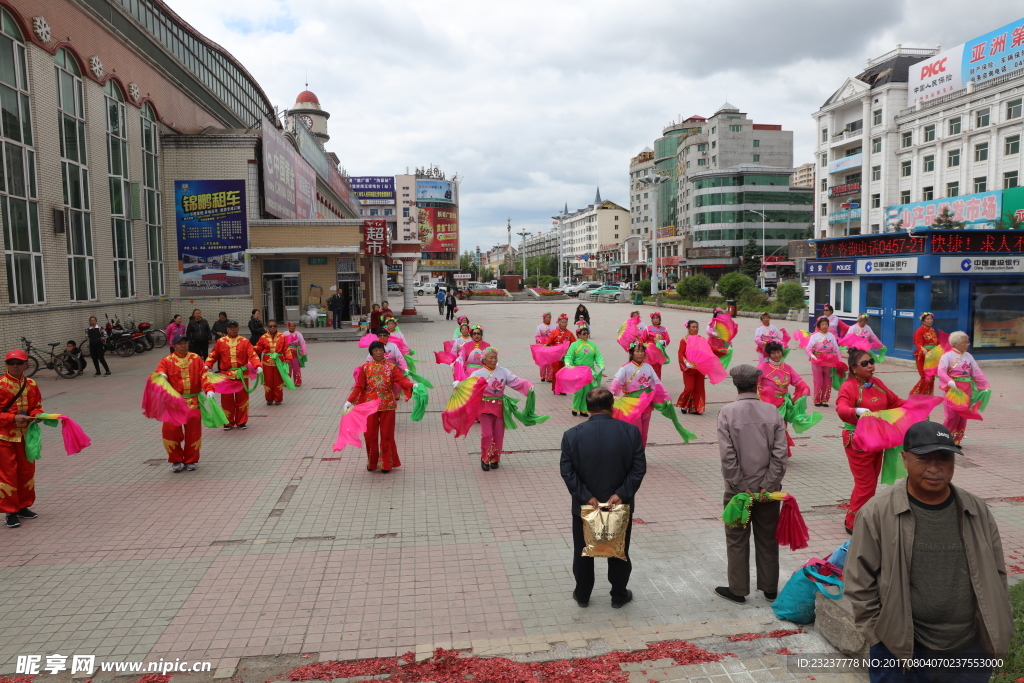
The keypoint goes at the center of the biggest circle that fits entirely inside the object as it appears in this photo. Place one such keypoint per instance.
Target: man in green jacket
(925, 571)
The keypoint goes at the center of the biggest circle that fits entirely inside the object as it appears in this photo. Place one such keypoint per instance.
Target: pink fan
(571, 380)
(785, 338)
(699, 354)
(854, 341)
(161, 402)
(463, 407)
(630, 409)
(545, 355)
(725, 326)
(654, 354)
(444, 357)
(400, 343)
(802, 337)
(367, 339)
(830, 360)
(449, 345)
(353, 424)
(459, 371)
(628, 332)
(885, 428)
(660, 394)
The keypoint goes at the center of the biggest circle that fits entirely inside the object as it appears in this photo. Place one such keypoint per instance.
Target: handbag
(604, 530)
(796, 600)
(838, 556)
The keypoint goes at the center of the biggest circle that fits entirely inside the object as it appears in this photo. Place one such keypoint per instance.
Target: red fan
(571, 380)
(366, 340)
(546, 355)
(444, 357)
(699, 354)
(841, 328)
(885, 428)
(854, 341)
(353, 424)
(464, 406)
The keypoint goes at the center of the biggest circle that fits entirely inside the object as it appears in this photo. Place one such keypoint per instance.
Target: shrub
(753, 298)
(791, 294)
(731, 285)
(645, 287)
(694, 288)
(780, 308)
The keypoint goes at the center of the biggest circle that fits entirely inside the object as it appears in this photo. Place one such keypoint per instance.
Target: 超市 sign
(887, 266)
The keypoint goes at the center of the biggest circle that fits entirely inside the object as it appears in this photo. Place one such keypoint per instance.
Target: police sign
(829, 267)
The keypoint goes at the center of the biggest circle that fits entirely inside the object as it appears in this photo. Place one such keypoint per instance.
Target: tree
(486, 274)
(466, 263)
(1011, 220)
(791, 294)
(944, 221)
(694, 287)
(751, 258)
(731, 285)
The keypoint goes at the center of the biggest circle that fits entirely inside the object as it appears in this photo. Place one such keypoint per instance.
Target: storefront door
(822, 287)
(903, 298)
(273, 297)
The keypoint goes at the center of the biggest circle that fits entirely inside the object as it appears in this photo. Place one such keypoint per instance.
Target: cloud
(536, 103)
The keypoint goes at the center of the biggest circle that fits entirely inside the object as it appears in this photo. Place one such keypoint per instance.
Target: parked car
(613, 290)
(428, 288)
(574, 290)
(395, 287)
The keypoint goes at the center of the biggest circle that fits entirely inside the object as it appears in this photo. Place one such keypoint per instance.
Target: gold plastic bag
(604, 530)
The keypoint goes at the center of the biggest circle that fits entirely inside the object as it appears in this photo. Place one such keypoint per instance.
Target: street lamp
(523, 234)
(761, 214)
(560, 217)
(653, 181)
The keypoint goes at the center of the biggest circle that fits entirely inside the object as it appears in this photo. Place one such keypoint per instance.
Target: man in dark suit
(603, 463)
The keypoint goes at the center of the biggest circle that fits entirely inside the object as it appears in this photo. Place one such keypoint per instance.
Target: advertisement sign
(373, 189)
(802, 249)
(875, 245)
(846, 163)
(632, 251)
(209, 216)
(844, 190)
(462, 276)
(829, 267)
(289, 183)
(667, 231)
(935, 76)
(979, 242)
(312, 152)
(395, 267)
(435, 191)
(709, 252)
(887, 266)
(439, 237)
(978, 211)
(843, 216)
(376, 239)
(997, 315)
(974, 264)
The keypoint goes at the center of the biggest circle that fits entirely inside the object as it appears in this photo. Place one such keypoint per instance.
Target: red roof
(307, 96)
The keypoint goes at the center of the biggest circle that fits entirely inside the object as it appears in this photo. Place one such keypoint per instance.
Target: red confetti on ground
(1013, 569)
(639, 521)
(16, 679)
(329, 459)
(1016, 499)
(780, 633)
(155, 678)
(783, 651)
(449, 666)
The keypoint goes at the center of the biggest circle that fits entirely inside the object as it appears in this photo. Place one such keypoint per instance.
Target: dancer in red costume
(649, 337)
(186, 373)
(19, 400)
(544, 331)
(376, 379)
(271, 347)
(560, 335)
(925, 339)
(233, 353)
(691, 401)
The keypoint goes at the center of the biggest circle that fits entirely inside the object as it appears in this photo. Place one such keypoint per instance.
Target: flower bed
(540, 291)
(490, 292)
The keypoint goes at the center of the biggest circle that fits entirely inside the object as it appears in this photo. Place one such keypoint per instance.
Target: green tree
(694, 287)
(486, 274)
(944, 221)
(466, 263)
(731, 285)
(1010, 221)
(791, 294)
(751, 258)
(644, 286)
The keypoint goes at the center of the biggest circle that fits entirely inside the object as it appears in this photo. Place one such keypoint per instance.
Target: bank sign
(982, 265)
(978, 60)
(887, 266)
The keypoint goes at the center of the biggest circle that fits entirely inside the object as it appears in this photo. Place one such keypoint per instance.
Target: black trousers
(583, 567)
(201, 349)
(451, 313)
(97, 352)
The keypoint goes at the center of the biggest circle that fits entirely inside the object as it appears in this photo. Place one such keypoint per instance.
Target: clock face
(306, 121)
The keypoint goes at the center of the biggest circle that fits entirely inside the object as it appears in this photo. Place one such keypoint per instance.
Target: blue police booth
(971, 280)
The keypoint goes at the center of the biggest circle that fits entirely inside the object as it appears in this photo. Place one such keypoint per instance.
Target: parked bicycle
(60, 362)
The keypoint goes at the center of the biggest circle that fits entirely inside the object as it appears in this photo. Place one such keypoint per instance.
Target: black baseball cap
(232, 323)
(928, 437)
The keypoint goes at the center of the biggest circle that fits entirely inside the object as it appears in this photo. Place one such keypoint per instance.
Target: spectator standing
(198, 333)
(441, 295)
(256, 327)
(603, 463)
(385, 312)
(752, 445)
(176, 327)
(375, 319)
(220, 326)
(335, 304)
(97, 345)
(451, 303)
(925, 573)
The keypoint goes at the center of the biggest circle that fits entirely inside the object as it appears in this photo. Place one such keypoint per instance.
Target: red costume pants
(182, 442)
(236, 407)
(554, 368)
(926, 385)
(17, 477)
(692, 398)
(865, 466)
(822, 383)
(545, 373)
(492, 431)
(380, 441)
(956, 424)
(295, 368)
(645, 424)
(273, 385)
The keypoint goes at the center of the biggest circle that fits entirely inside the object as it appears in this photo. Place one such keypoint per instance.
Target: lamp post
(560, 217)
(523, 234)
(654, 181)
(761, 214)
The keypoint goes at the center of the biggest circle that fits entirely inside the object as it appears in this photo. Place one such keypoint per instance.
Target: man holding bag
(603, 463)
(753, 446)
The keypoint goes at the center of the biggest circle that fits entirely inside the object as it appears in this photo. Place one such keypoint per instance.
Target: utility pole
(761, 214)
(523, 234)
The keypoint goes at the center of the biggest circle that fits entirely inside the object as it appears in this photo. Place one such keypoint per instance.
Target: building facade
(584, 230)
(640, 166)
(804, 176)
(542, 244)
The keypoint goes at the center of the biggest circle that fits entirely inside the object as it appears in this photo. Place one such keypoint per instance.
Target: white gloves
(861, 411)
(348, 406)
(456, 383)
(415, 384)
(259, 370)
(211, 394)
(162, 375)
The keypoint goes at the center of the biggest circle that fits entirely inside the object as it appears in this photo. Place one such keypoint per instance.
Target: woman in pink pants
(822, 343)
(492, 416)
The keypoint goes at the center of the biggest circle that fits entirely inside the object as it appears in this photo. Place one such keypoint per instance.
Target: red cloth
(380, 441)
(273, 385)
(923, 336)
(183, 442)
(17, 476)
(492, 431)
(559, 336)
(693, 397)
(30, 403)
(186, 375)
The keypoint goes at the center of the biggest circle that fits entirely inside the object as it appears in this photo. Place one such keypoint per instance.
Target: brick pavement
(277, 546)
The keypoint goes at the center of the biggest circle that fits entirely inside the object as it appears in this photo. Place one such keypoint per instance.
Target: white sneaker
(177, 466)
(191, 467)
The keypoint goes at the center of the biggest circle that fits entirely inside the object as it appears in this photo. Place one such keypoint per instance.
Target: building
(804, 176)
(585, 229)
(497, 257)
(541, 244)
(640, 166)
(609, 256)
(739, 203)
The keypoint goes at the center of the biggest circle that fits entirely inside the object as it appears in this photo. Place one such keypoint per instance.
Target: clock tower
(307, 113)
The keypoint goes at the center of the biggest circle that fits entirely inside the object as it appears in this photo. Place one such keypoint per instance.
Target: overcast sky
(535, 104)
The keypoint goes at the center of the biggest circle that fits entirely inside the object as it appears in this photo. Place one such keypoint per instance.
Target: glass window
(953, 189)
(876, 117)
(757, 143)
(904, 196)
(927, 193)
(1011, 145)
(929, 163)
(981, 151)
(906, 168)
(981, 184)
(873, 297)
(848, 296)
(981, 118)
(75, 178)
(824, 134)
(735, 129)
(953, 157)
(120, 192)
(998, 309)
(876, 172)
(837, 298)
(757, 157)
(929, 132)
(824, 160)
(1010, 180)
(945, 295)
(1013, 108)
(151, 201)
(905, 295)
(876, 201)
(954, 126)
(907, 139)
(22, 247)
(824, 184)
(904, 336)
(876, 145)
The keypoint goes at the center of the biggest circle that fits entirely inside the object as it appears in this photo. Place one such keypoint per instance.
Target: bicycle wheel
(159, 338)
(32, 366)
(124, 347)
(65, 367)
(85, 347)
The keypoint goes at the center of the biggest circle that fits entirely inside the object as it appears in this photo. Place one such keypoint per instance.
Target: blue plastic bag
(796, 600)
(838, 556)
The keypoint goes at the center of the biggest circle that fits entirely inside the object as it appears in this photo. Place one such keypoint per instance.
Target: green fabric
(849, 427)
(579, 398)
(508, 410)
(727, 358)
(213, 414)
(419, 397)
(669, 411)
(878, 355)
(668, 359)
(737, 510)
(528, 415)
(785, 352)
(33, 441)
(977, 395)
(892, 465)
(302, 360)
(837, 381)
(410, 362)
(795, 413)
(240, 375)
(282, 368)
(420, 380)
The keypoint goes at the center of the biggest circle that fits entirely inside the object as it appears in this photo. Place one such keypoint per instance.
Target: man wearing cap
(925, 573)
(233, 353)
(270, 348)
(19, 400)
(186, 374)
(752, 444)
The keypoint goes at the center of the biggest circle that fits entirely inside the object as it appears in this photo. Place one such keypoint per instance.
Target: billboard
(979, 211)
(209, 217)
(439, 237)
(373, 189)
(846, 163)
(435, 191)
(844, 190)
(312, 152)
(978, 60)
(289, 183)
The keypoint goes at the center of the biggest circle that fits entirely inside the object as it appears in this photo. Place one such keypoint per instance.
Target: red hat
(17, 354)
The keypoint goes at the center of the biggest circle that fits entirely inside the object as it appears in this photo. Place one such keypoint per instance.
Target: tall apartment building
(640, 166)
(804, 176)
(542, 243)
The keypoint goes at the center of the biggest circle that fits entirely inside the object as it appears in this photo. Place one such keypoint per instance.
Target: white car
(427, 288)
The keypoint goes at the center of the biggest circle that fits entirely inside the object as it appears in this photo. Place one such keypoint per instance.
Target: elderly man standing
(603, 462)
(752, 444)
(925, 573)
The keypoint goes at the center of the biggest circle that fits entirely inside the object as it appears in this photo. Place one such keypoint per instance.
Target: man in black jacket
(198, 333)
(220, 326)
(334, 305)
(603, 462)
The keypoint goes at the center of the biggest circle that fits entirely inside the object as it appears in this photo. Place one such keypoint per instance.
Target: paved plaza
(278, 546)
